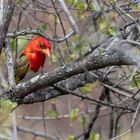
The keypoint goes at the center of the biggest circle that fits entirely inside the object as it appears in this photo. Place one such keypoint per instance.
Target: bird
(32, 57)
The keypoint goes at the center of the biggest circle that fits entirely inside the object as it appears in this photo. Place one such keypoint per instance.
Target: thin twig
(111, 114)
(90, 99)
(69, 16)
(34, 132)
(61, 23)
(116, 125)
(95, 116)
(136, 43)
(135, 116)
(123, 134)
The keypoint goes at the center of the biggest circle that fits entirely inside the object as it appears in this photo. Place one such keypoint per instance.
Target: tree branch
(10, 64)
(34, 132)
(39, 33)
(91, 62)
(6, 12)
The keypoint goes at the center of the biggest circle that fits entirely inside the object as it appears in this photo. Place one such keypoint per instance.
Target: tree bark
(6, 12)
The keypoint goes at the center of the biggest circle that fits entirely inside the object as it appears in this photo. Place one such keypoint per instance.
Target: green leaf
(82, 6)
(76, 2)
(135, 82)
(53, 114)
(103, 25)
(102, 51)
(19, 2)
(93, 7)
(94, 136)
(69, 1)
(57, 19)
(83, 121)
(74, 114)
(87, 88)
(7, 106)
(71, 137)
(112, 31)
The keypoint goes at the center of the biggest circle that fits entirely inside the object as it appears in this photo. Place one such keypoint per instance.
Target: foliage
(52, 114)
(6, 107)
(94, 136)
(74, 114)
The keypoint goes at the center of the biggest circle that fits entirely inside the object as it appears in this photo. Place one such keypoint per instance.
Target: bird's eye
(41, 46)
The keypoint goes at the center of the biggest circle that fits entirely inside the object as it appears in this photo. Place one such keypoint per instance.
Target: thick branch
(91, 62)
(6, 12)
(50, 92)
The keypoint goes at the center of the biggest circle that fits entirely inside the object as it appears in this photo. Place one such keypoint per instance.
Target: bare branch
(135, 116)
(10, 65)
(121, 135)
(11, 79)
(100, 102)
(95, 116)
(69, 16)
(6, 12)
(36, 32)
(72, 83)
(36, 133)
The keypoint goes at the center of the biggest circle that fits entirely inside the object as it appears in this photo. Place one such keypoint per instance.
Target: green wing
(21, 68)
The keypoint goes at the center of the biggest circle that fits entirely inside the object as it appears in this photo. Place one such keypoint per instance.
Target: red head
(36, 51)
